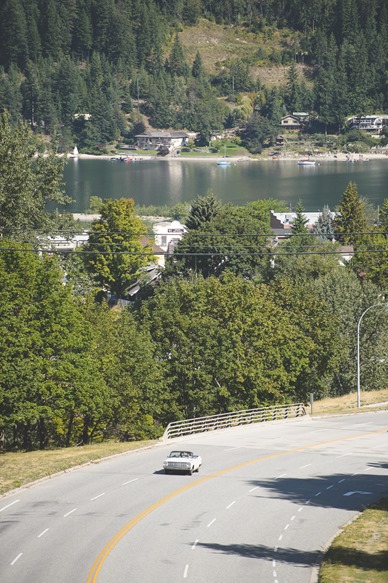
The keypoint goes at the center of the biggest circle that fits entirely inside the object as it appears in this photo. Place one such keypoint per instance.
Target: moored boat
(306, 162)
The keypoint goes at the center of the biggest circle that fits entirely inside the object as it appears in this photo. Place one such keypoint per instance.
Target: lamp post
(385, 305)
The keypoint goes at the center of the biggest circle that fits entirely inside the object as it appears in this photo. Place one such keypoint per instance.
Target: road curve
(267, 500)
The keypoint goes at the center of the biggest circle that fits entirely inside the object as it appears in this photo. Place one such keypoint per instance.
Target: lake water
(168, 182)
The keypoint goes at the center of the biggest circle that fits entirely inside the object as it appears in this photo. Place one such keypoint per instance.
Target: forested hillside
(94, 71)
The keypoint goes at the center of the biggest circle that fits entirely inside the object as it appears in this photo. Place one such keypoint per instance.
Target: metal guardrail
(225, 420)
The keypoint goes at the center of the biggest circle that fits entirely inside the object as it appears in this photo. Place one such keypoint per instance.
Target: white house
(284, 221)
(154, 140)
(167, 234)
(368, 123)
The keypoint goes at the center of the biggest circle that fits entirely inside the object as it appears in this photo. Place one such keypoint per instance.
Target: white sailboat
(223, 161)
(75, 152)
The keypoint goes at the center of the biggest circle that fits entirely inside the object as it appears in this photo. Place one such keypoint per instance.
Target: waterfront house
(296, 121)
(162, 141)
(368, 123)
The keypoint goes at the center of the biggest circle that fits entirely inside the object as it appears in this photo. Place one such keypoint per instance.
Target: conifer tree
(177, 63)
(300, 220)
(203, 210)
(350, 220)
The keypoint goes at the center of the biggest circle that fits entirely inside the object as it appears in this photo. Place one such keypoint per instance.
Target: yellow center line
(98, 563)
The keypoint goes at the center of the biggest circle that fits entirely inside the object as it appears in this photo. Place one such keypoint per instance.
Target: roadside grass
(348, 403)
(360, 553)
(19, 469)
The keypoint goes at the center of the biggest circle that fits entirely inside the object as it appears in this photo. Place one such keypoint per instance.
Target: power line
(264, 253)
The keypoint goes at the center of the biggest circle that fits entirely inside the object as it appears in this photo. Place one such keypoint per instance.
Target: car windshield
(181, 454)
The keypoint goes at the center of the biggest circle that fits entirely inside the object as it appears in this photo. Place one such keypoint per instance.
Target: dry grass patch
(19, 469)
(348, 403)
(360, 553)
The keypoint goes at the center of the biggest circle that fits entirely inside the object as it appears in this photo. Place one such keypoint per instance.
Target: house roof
(156, 134)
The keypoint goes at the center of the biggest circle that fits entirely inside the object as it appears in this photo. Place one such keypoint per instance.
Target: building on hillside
(294, 121)
(167, 234)
(63, 244)
(284, 221)
(281, 226)
(165, 142)
(368, 123)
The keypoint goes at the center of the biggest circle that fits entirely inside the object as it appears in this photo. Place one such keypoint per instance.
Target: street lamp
(358, 349)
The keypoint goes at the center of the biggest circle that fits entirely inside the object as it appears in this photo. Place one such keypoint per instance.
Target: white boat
(306, 162)
(223, 161)
(75, 152)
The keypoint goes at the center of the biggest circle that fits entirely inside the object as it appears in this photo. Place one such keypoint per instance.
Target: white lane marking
(211, 522)
(276, 549)
(318, 494)
(253, 489)
(129, 481)
(195, 544)
(43, 532)
(274, 573)
(68, 513)
(185, 572)
(293, 518)
(368, 469)
(281, 476)
(300, 509)
(330, 487)
(280, 537)
(356, 492)
(305, 466)
(286, 527)
(16, 558)
(340, 481)
(99, 496)
(273, 563)
(231, 504)
(8, 505)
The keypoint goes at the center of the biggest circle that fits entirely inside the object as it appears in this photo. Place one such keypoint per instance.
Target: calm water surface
(168, 182)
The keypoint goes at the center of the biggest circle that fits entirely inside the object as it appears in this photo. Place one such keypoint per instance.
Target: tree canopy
(116, 253)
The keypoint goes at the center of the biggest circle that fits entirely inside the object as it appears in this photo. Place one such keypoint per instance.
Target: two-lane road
(267, 500)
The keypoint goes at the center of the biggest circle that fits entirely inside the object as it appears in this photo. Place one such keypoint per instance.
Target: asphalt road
(264, 505)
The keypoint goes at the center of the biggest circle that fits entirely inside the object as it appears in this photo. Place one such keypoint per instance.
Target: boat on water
(223, 161)
(306, 162)
(120, 159)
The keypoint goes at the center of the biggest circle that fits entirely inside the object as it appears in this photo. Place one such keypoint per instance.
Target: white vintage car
(182, 461)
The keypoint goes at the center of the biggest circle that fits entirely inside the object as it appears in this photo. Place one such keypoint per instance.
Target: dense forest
(94, 71)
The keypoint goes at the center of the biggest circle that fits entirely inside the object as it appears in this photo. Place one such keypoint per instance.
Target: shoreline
(290, 157)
